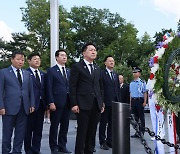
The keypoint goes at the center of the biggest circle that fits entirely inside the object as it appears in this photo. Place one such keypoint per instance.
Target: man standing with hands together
(58, 100)
(86, 97)
(32, 141)
(111, 93)
(16, 102)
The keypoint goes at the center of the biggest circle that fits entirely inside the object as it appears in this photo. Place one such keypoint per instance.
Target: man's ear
(28, 61)
(83, 53)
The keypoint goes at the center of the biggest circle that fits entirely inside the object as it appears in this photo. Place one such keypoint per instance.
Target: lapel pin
(57, 70)
(84, 66)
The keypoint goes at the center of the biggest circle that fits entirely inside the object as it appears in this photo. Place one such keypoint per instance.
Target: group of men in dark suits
(87, 91)
(23, 103)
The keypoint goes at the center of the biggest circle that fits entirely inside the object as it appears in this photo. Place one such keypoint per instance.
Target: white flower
(155, 68)
(177, 85)
(150, 84)
(178, 77)
(160, 52)
(169, 39)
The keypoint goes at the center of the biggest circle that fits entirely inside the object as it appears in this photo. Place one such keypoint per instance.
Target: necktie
(19, 77)
(37, 77)
(92, 70)
(112, 77)
(64, 73)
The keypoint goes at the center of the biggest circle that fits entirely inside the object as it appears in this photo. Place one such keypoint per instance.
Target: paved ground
(136, 146)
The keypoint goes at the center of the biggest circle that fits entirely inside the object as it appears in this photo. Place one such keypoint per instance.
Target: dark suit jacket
(57, 87)
(39, 90)
(111, 87)
(124, 93)
(84, 87)
(12, 95)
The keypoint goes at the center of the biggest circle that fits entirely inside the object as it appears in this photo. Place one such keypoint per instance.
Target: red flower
(151, 76)
(155, 59)
(164, 38)
(173, 66)
(157, 107)
(177, 72)
(165, 46)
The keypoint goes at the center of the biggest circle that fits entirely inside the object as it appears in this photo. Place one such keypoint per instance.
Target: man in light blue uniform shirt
(138, 98)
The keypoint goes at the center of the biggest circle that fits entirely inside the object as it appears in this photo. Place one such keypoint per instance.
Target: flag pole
(54, 29)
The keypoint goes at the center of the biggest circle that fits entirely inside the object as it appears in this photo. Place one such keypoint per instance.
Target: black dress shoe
(109, 145)
(135, 136)
(104, 146)
(55, 151)
(36, 153)
(64, 150)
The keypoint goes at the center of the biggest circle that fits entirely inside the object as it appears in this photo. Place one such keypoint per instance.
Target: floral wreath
(156, 64)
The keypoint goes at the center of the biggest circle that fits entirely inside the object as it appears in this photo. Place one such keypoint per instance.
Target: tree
(4, 54)
(146, 45)
(178, 26)
(146, 48)
(123, 49)
(93, 25)
(36, 17)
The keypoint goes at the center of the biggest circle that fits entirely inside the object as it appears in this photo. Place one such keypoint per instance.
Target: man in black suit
(32, 141)
(86, 95)
(58, 100)
(124, 95)
(111, 93)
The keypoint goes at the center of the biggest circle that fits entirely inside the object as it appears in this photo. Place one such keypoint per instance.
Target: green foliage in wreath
(160, 80)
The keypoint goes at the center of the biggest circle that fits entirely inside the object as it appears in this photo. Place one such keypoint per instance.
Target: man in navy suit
(86, 95)
(16, 102)
(111, 93)
(58, 100)
(32, 141)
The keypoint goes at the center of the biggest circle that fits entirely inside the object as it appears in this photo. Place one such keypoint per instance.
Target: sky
(147, 15)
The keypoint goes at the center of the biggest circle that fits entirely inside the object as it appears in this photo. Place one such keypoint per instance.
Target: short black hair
(58, 51)
(86, 45)
(32, 55)
(107, 57)
(17, 52)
